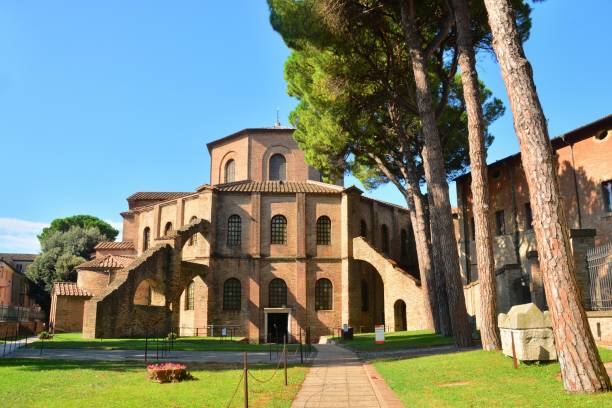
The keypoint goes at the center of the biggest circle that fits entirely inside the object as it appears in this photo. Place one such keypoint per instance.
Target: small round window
(603, 135)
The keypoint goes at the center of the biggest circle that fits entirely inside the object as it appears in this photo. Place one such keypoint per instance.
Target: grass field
(56, 383)
(482, 379)
(398, 341)
(76, 341)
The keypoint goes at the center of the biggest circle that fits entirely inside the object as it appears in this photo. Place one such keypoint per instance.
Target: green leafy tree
(357, 103)
(61, 252)
(83, 221)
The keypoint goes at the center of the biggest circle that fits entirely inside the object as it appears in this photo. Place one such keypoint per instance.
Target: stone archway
(397, 283)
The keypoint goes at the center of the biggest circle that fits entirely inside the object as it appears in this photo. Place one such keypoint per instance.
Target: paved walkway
(258, 357)
(338, 379)
(10, 347)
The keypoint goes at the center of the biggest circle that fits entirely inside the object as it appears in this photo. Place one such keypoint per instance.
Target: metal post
(270, 347)
(301, 349)
(246, 381)
(146, 345)
(285, 358)
(42, 345)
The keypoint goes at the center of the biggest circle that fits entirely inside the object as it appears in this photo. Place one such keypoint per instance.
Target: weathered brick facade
(152, 294)
(584, 163)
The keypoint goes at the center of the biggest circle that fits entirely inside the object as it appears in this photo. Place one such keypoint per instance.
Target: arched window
(234, 230)
(278, 166)
(323, 230)
(167, 228)
(194, 238)
(230, 171)
(384, 237)
(278, 230)
(231, 294)
(146, 238)
(277, 293)
(323, 295)
(363, 229)
(365, 296)
(190, 296)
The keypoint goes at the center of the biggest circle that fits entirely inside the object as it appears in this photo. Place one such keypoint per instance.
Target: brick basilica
(264, 250)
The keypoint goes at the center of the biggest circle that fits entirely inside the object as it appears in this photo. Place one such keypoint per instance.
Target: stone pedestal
(532, 332)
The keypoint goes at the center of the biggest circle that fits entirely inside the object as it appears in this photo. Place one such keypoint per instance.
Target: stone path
(11, 347)
(338, 379)
(258, 357)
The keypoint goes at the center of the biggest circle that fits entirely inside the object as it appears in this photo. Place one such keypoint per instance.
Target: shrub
(168, 372)
(45, 335)
(172, 336)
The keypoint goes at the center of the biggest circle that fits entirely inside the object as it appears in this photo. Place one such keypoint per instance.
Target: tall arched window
(190, 296)
(234, 230)
(146, 238)
(278, 230)
(231, 294)
(365, 296)
(323, 230)
(323, 294)
(167, 228)
(384, 236)
(363, 229)
(230, 171)
(278, 167)
(277, 293)
(194, 238)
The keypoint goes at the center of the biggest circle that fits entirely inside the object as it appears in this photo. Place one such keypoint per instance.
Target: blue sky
(100, 99)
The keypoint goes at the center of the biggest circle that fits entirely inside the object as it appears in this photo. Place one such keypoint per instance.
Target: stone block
(532, 332)
(529, 344)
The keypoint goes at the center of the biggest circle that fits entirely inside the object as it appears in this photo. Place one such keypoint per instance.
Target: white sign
(379, 331)
(223, 332)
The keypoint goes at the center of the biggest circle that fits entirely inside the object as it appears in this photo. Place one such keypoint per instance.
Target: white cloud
(20, 235)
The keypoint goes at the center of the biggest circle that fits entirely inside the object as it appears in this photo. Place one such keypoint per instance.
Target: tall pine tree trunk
(439, 275)
(435, 174)
(489, 332)
(581, 366)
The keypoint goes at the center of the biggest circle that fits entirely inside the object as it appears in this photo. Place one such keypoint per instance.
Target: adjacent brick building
(14, 286)
(584, 167)
(265, 249)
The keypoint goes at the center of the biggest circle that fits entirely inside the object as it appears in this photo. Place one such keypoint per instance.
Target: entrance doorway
(277, 327)
(400, 315)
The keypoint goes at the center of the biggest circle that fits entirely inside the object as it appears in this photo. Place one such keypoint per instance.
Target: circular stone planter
(168, 372)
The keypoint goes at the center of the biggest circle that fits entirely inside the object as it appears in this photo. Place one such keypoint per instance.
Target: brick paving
(339, 379)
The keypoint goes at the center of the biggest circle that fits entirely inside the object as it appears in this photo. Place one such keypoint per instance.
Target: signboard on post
(379, 331)
(224, 332)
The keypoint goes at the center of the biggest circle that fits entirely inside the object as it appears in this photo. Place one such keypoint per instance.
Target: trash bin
(347, 334)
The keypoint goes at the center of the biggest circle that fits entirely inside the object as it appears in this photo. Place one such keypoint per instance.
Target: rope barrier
(271, 377)
(235, 390)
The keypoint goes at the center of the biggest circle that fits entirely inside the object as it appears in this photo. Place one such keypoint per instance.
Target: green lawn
(398, 341)
(56, 383)
(481, 379)
(76, 341)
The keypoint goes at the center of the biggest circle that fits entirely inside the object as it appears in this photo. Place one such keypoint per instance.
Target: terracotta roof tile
(248, 186)
(157, 195)
(69, 289)
(107, 262)
(115, 245)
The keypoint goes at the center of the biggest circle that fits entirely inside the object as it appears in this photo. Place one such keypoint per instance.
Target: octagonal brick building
(263, 251)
